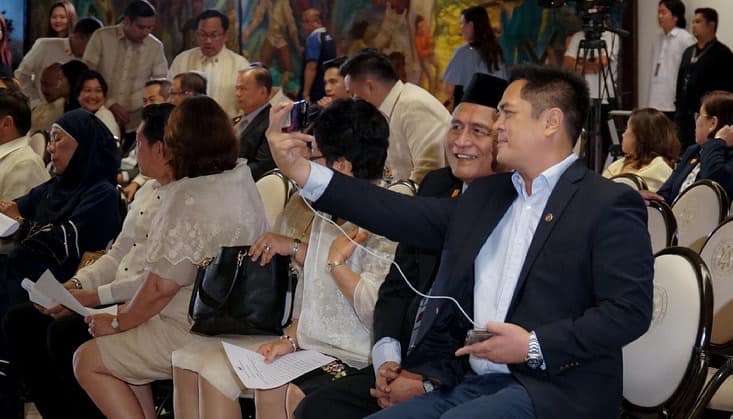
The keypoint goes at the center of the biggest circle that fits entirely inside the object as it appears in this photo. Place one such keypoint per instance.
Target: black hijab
(95, 160)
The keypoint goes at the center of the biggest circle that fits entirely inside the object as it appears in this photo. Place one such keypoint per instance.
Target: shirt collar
(388, 103)
(546, 180)
(250, 116)
(318, 30)
(13, 145)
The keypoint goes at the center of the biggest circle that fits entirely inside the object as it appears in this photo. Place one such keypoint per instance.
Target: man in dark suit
(254, 85)
(553, 260)
(470, 151)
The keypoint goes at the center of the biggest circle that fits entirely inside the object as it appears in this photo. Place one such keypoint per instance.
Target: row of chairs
(693, 305)
(693, 216)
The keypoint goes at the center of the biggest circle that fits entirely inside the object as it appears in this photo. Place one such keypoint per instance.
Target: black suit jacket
(585, 287)
(716, 163)
(253, 145)
(395, 311)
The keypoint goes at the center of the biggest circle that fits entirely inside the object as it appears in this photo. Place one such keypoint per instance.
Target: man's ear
(343, 166)
(553, 120)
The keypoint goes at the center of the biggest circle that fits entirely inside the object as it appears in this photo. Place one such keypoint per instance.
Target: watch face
(534, 362)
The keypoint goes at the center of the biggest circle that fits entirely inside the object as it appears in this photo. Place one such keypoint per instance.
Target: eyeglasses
(212, 35)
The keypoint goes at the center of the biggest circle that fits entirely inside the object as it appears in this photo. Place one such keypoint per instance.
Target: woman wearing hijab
(74, 212)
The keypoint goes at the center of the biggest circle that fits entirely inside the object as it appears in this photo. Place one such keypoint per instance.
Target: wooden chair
(275, 189)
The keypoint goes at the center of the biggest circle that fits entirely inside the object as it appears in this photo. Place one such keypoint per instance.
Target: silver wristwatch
(428, 385)
(534, 354)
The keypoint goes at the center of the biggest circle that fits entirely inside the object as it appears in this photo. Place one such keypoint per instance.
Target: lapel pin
(455, 193)
(549, 217)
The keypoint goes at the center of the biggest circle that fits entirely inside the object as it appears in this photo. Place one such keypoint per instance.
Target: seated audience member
(253, 93)
(20, 167)
(470, 148)
(74, 212)
(91, 92)
(57, 82)
(650, 148)
(42, 342)
(46, 51)
(339, 289)
(185, 85)
(214, 197)
(712, 156)
(156, 92)
(333, 81)
(417, 120)
(558, 315)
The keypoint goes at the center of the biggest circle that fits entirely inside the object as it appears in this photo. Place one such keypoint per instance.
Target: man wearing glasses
(218, 64)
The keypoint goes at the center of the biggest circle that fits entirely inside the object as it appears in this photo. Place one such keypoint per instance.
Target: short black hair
(13, 103)
(710, 14)
(211, 13)
(369, 62)
(139, 8)
(87, 26)
(677, 8)
(262, 76)
(193, 82)
(155, 118)
(549, 87)
(357, 131)
(335, 62)
(88, 75)
(165, 86)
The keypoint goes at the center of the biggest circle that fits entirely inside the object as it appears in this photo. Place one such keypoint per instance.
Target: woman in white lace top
(339, 287)
(211, 203)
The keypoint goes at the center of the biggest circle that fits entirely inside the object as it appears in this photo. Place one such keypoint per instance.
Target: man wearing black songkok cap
(470, 151)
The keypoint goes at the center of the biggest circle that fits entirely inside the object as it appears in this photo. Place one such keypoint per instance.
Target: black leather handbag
(234, 295)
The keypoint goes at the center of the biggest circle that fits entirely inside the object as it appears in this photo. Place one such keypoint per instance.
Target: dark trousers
(41, 351)
(685, 122)
(345, 398)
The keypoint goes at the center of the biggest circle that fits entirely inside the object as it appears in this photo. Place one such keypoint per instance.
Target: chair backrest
(717, 253)
(698, 210)
(404, 186)
(38, 143)
(681, 321)
(275, 190)
(662, 225)
(632, 180)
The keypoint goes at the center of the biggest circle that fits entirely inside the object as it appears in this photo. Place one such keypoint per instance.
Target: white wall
(648, 29)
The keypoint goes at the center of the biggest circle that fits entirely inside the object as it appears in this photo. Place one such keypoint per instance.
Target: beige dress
(197, 217)
(206, 356)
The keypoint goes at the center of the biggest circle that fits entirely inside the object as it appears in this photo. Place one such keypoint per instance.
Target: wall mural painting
(418, 35)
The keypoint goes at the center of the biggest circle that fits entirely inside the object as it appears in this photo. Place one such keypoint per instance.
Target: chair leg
(711, 388)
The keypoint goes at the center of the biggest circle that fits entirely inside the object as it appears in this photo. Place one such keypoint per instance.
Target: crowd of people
(153, 169)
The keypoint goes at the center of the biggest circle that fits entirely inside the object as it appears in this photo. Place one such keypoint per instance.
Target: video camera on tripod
(595, 16)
